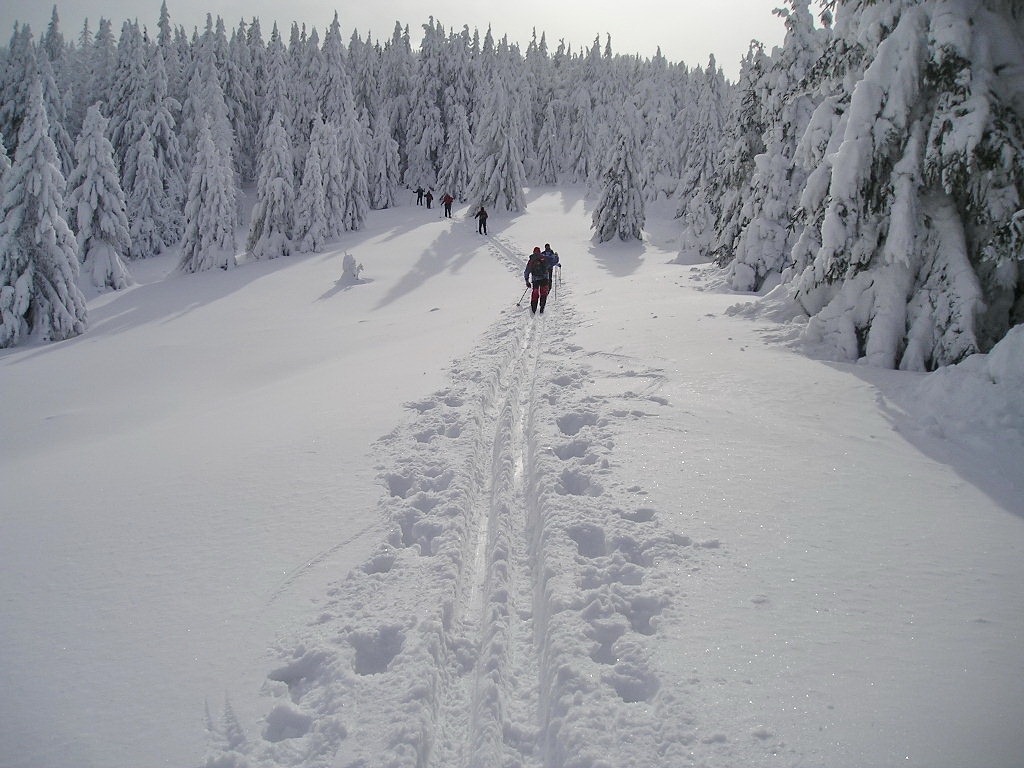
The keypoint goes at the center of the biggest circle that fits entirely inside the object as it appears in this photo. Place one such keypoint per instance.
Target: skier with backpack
(538, 276)
(552, 259)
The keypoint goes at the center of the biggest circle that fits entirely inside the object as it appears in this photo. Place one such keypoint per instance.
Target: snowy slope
(403, 522)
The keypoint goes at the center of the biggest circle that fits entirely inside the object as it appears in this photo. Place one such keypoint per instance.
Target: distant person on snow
(481, 226)
(538, 275)
(447, 201)
(419, 195)
(552, 257)
(430, 198)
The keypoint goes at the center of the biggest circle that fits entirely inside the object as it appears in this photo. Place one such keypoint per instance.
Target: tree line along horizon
(871, 167)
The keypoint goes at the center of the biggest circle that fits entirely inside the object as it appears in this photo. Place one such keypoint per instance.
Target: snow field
(498, 510)
(636, 531)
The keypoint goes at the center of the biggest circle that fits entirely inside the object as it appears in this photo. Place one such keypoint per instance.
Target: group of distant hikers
(427, 196)
(540, 267)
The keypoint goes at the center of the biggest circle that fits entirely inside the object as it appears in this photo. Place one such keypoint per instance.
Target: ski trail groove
(500, 722)
(512, 615)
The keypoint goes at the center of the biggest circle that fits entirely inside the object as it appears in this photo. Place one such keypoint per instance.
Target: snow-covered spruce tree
(353, 205)
(383, 173)
(741, 143)
(18, 70)
(363, 65)
(311, 228)
(334, 88)
(582, 136)
(52, 45)
(129, 105)
(919, 263)
(306, 63)
(275, 97)
(396, 84)
(79, 79)
(698, 205)
(425, 138)
(499, 172)
(148, 204)
(53, 99)
(547, 148)
(456, 167)
(763, 248)
(96, 206)
(164, 147)
(273, 216)
(210, 212)
(620, 208)
(240, 95)
(206, 104)
(39, 293)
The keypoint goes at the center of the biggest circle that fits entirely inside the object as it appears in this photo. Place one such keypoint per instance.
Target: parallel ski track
(496, 706)
(435, 633)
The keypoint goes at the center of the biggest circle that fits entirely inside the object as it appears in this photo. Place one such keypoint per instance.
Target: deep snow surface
(402, 520)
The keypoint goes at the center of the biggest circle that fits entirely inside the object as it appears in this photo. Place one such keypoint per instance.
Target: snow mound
(980, 398)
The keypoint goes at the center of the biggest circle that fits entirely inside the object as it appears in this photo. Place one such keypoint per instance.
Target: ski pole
(521, 297)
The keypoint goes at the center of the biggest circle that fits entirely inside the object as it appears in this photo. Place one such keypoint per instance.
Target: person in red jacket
(447, 201)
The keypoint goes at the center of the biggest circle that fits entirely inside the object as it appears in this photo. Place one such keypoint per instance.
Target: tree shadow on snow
(448, 253)
(995, 473)
(169, 295)
(618, 258)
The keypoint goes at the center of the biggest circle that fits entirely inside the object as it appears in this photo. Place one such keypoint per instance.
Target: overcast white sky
(686, 31)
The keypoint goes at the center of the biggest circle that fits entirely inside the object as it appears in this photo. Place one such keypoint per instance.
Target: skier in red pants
(538, 274)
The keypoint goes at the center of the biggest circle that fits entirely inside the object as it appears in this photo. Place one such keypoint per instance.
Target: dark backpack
(538, 266)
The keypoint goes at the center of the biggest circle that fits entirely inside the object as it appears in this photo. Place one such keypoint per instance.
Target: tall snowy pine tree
(210, 213)
(39, 293)
(96, 206)
(620, 209)
(273, 216)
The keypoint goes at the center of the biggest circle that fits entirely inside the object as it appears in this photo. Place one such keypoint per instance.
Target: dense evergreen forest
(870, 169)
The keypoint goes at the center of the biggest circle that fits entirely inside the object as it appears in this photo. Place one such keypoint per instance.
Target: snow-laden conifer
(96, 207)
(499, 174)
(457, 165)
(426, 129)
(741, 143)
(425, 137)
(698, 204)
(620, 208)
(273, 216)
(39, 292)
(275, 97)
(241, 95)
(16, 75)
(210, 213)
(148, 204)
(129, 106)
(56, 113)
(311, 228)
(162, 138)
(763, 248)
(396, 84)
(350, 199)
(582, 136)
(918, 211)
(383, 172)
(547, 164)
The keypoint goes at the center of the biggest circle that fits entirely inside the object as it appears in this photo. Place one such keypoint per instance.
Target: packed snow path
(500, 502)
